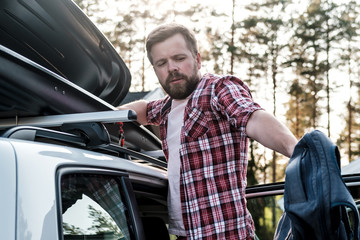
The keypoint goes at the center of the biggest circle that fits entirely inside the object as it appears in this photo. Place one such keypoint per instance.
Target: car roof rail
(73, 118)
(31, 133)
(89, 124)
(84, 129)
(138, 155)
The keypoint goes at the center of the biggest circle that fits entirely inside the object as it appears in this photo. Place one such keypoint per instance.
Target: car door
(97, 204)
(266, 204)
(101, 204)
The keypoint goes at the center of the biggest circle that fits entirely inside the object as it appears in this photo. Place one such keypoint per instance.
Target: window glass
(93, 208)
(266, 212)
(355, 192)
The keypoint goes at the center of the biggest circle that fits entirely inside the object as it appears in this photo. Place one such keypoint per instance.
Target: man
(205, 122)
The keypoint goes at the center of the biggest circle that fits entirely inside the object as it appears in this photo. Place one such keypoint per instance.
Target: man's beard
(182, 90)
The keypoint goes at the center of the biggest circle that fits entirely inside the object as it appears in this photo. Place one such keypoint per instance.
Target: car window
(355, 192)
(266, 212)
(93, 208)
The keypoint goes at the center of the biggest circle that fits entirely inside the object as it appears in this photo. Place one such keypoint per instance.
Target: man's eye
(160, 64)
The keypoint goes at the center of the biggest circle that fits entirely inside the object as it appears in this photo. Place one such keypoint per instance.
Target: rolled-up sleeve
(234, 100)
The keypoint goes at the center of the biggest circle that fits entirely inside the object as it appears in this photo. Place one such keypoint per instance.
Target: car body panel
(36, 175)
(54, 61)
(8, 190)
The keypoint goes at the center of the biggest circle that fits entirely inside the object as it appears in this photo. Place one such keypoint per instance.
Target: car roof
(59, 155)
(352, 168)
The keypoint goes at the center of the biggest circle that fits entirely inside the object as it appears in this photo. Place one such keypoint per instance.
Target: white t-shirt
(175, 123)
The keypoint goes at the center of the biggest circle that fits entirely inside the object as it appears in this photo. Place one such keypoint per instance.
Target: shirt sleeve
(154, 111)
(232, 98)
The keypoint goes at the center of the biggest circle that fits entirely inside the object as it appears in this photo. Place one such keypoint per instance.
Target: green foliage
(299, 109)
(71, 229)
(266, 214)
(103, 223)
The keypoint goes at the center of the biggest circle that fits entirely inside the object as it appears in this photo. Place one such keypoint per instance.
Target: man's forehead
(176, 40)
(172, 46)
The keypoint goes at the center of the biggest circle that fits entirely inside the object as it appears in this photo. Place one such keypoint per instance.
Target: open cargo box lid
(53, 60)
(47, 92)
(57, 35)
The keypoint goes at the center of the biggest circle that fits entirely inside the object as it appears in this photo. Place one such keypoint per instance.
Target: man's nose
(172, 66)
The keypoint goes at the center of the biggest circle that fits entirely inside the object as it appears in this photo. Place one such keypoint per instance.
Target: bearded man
(205, 122)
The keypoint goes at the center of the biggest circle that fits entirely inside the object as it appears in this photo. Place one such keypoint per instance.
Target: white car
(71, 167)
(51, 191)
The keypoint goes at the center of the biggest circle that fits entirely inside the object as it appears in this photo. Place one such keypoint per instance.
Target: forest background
(300, 58)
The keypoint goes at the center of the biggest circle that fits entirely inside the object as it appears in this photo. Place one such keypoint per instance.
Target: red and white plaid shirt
(213, 152)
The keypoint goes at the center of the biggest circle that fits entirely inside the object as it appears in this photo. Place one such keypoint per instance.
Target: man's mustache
(174, 75)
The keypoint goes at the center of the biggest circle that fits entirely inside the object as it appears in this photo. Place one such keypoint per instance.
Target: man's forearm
(139, 107)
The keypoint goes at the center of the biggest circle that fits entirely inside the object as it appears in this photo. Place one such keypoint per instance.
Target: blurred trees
(349, 49)
(300, 59)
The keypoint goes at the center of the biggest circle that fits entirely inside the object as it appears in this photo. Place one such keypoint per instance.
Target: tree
(266, 25)
(103, 223)
(333, 33)
(90, 7)
(213, 55)
(349, 55)
(299, 108)
(306, 51)
(258, 164)
(231, 48)
(71, 229)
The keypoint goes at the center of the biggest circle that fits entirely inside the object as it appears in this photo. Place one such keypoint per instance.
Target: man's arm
(139, 107)
(267, 130)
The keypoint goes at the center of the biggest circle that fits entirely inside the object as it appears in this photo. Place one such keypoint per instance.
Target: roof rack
(59, 120)
(84, 129)
(31, 133)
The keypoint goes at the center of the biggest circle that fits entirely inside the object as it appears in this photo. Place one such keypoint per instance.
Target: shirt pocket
(196, 123)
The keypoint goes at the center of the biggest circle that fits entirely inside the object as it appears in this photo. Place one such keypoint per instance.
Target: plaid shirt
(213, 155)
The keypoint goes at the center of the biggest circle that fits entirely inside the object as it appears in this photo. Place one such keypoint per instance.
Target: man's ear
(198, 60)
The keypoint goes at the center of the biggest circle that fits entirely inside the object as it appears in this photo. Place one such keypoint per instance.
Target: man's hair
(166, 31)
